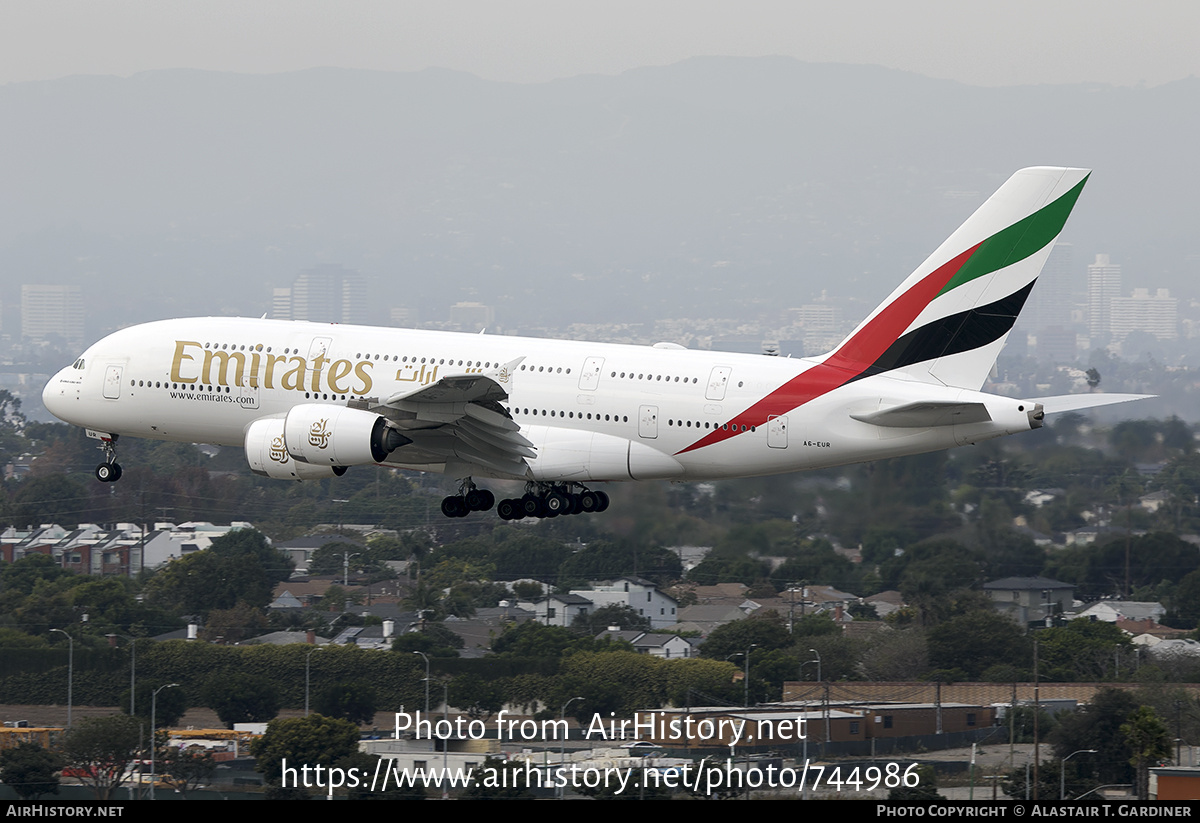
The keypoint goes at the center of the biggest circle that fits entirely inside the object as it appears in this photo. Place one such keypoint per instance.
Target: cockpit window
(78, 364)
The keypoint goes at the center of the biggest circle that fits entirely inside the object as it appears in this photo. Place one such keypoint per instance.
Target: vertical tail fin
(948, 321)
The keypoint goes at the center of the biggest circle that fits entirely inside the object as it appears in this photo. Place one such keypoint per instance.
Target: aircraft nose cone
(54, 396)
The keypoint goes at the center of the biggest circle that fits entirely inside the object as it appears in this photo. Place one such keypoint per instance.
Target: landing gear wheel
(483, 502)
(108, 472)
(603, 501)
(509, 510)
(556, 504)
(454, 507)
(589, 501)
(531, 505)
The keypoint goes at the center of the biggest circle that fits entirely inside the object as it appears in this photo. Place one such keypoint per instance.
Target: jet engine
(268, 456)
(338, 436)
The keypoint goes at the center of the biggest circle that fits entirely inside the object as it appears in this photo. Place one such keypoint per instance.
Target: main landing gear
(540, 500)
(469, 499)
(551, 500)
(110, 470)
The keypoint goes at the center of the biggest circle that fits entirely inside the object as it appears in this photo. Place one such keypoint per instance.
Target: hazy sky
(995, 43)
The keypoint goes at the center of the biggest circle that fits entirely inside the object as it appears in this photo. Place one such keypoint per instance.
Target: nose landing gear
(110, 470)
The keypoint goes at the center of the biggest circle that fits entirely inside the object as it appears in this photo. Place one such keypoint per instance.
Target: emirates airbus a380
(308, 400)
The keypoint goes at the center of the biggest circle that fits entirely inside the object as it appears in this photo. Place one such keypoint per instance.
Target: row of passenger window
(656, 377)
(614, 418)
(158, 384)
(708, 425)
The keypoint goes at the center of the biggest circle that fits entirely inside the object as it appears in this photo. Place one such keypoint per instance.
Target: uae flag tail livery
(948, 321)
(553, 417)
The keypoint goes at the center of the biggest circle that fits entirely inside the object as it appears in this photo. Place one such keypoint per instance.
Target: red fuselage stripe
(854, 357)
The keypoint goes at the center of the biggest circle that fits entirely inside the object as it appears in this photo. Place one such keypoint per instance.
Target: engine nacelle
(338, 436)
(268, 456)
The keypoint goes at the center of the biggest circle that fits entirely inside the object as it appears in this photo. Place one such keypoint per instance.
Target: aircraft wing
(458, 419)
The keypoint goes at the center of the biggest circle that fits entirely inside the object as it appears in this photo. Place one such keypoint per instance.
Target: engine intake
(268, 456)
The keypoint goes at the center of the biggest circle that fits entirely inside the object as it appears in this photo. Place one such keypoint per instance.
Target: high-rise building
(1104, 283)
(1051, 303)
(52, 313)
(281, 304)
(1156, 314)
(326, 294)
(472, 317)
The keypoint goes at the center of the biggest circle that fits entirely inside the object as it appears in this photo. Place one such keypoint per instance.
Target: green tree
(479, 697)
(248, 544)
(434, 639)
(895, 655)
(618, 615)
(185, 770)
(52, 498)
(1097, 726)
(315, 740)
(976, 641)
(242, 698)
(331, 559)
(23, 575)
(1149, 744)
(532, 639)
(1082, 650)
(349, 701)
(766, 631)
(528, 590)
(238, 567)
(99, 750)
(611, 559)
(234, 625)
(30, 770)
(169, 707)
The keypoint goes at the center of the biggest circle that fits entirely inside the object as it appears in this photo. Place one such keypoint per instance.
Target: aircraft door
(777, 431)
(717, 381)
(112, 382)
(589, 376)
(318, 348)
(648, 422)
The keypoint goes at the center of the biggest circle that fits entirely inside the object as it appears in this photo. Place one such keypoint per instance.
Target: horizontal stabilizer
(1074, 402)
(926, 414)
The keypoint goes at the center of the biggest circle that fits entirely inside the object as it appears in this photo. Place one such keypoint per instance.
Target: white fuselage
(206, 380)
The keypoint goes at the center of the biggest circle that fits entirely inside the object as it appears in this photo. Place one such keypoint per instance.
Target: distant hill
(712, 187)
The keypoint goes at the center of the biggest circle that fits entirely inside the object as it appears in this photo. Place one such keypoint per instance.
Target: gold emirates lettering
(217, 367)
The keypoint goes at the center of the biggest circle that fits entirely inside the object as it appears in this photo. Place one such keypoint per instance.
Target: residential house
(657, 644)
(1030, 599)
(643, 596)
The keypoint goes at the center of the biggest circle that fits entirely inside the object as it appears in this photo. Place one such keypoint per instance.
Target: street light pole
(426, 658)
(132, 670)
(1062, 772)
(70, 674)
(153, 742)
(826, 696)
(562, 749)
